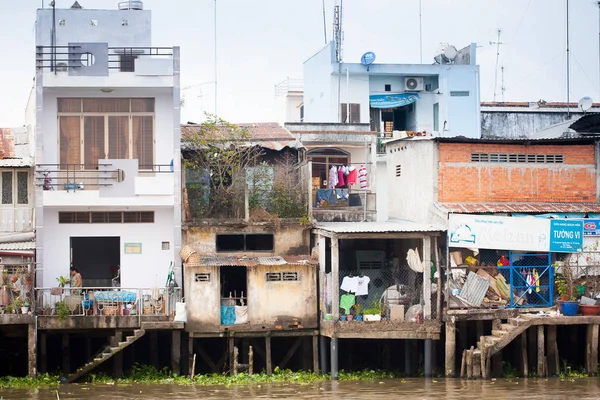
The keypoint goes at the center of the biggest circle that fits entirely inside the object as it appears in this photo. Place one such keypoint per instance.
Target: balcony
(97, 65)
(343, 205)
(116, 182)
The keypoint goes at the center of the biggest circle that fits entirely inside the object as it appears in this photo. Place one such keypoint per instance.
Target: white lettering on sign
(491, 235)
(566, 235)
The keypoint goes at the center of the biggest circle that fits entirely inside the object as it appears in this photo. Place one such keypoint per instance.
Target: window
(202, 277)
(15, 187)
(245, 242)
(354, 113)
(388, 88)
(127, 62)
(92, 129)
(112, 217)
(518, 158)
(282, 276)
(436, 117)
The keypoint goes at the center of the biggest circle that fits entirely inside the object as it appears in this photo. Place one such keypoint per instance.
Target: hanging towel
(536, 276)
(530, 281)
(414, 261)
(362, 177)
(341, 176)
(351, 178)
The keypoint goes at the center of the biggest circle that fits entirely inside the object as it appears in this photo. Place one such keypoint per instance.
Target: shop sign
(501, 233)
(392, 100)
(591, 227)
(566, 235)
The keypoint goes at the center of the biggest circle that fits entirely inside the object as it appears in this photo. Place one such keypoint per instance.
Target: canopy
(390, 100)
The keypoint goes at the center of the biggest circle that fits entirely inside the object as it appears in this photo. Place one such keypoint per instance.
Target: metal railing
(73, 177)
(65, 58)
(107, 301)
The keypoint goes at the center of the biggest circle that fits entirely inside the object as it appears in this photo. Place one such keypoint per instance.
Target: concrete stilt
(43, 352)
(176, 351)
(268, 356)
(524, 360)
(428, 363)
(541, 356)
(117, 358)
(32, 351)
(450, 348)
(551, 354)
(323, 353)
(334, 359)
(154, 348)
(66, 354)
(190, 355)
(315, 353)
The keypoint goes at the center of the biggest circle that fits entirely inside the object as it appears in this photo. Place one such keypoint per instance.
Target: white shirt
(349, 284)
(359, 285)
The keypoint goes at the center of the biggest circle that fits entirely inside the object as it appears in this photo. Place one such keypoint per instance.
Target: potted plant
(25, 308)
(565, 286)
(373, 313)
(16, 304)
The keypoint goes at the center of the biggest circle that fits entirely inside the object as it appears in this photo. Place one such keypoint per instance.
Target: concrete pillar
(427, 277)
(322, 262)
(268, 355)
(335, 272)
(43, 352)
(32, 351)
(66, 354)
(551, 353)
(315, 353)
(524, 358)
(176, 351)
(541, 355)
(117, 358)
(450, 359)
(428, 361)
(323, 354)
(334, 359)
(190, 372)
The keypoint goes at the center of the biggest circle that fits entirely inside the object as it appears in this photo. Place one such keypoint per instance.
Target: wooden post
(268, 354)
(551, 355)
(66, 354)
(191, 356)
(118, 358)
(231, 353)
(483, 356)
(540, 358)
(176, 351)
(250, 361)
(235, 360)
(427, 277)
(315, 352)
(463, 364)
(470, 363)
(193, 366)
(309, 188)
(439, 279)
(524, 361)
(335, 279)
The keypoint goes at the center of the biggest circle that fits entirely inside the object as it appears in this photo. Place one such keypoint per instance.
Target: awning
(389, 100)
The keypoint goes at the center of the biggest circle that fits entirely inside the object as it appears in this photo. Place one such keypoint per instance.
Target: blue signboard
(566, 235)
(591, 227)
(392, 100)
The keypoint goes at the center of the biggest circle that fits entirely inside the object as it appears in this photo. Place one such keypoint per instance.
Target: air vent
(398, 171)
(289, 276)
(202, 277)
(273, 276)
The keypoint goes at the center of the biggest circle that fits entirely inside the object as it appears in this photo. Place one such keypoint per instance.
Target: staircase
(476, 361)
(106, 354)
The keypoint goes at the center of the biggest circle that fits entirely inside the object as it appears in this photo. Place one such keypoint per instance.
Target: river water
(579, 389)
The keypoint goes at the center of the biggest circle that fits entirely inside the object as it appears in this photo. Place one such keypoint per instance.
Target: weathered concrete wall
(515, 125)
(269, 303)
(291, 238)
(460, 180)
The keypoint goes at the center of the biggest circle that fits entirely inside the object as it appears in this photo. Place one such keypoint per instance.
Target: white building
(441, 99)
(107, 148)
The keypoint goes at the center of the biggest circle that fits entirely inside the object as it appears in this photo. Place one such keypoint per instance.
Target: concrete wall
(320, 90)
(411, 194)
(290, 239)
(146, 270)
(461, 180)
(519, 124)
(269, 303)
(109, 28)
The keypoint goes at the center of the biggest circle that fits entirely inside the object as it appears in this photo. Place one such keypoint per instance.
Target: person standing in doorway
(76, 281)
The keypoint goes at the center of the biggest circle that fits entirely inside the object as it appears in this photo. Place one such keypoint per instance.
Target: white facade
(127, 145)
(451, 89)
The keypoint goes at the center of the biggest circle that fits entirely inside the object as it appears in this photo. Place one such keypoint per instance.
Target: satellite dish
(450, 52)
(585, 103)
(368, 58)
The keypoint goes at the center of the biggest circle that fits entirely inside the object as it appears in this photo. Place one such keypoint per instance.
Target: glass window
(7, 187)
(142, 141)
(22, 187)
(93, 128)
(70, 140)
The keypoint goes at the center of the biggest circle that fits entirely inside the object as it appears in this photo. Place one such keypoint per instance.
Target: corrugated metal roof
(226, 261)
(476, 208)
(14, 246)
(540, 104)
(395, 225)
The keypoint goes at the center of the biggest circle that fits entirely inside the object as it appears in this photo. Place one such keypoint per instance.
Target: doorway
(96, 258)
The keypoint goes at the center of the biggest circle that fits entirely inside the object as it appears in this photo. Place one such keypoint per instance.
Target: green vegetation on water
(151, 375)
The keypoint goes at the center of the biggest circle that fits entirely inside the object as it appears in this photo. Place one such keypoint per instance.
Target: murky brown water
(411, 388)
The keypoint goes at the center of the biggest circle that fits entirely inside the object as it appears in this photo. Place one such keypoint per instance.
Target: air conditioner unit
(414, 84)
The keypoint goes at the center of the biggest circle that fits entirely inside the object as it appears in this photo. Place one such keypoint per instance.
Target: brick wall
(460, 180)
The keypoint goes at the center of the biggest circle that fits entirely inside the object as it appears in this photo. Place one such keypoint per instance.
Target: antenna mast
(337, 36)
(420, 35)
(497, 43)
(502, 88)
(324, 24)
(568, 66)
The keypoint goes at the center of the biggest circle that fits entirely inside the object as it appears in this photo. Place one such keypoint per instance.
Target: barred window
(100, 217)
(517, 158)
(282, 276)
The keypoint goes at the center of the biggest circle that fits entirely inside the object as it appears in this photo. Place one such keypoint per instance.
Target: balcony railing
(106, 301)
(68, 58)
(74, 177)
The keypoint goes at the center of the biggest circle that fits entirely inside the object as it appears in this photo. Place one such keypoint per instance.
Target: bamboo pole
(250, 361)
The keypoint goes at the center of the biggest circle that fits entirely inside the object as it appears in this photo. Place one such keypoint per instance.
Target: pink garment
(351, 178)
(341, 177)
(362, 177)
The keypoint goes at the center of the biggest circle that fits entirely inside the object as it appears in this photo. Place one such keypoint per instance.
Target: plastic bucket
(569, 308)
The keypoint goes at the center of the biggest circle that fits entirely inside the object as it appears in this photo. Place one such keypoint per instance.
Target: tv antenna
(497, 43)
(502, 87)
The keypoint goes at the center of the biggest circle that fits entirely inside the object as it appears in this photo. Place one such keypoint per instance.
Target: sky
(262, 42)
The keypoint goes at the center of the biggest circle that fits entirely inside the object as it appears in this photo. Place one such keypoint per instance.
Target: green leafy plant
(63, 281)
(565, 285)
(62, 310)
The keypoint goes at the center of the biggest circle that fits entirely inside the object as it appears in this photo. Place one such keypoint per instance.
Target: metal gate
(531, 279)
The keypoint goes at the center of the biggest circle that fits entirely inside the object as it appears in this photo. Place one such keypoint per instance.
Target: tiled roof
(269, 135)
(15, 246)
(222, 261)
(476, 208)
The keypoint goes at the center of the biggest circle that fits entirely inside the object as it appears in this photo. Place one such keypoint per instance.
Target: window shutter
(93, 128)
(118, 137)
(142, 138)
